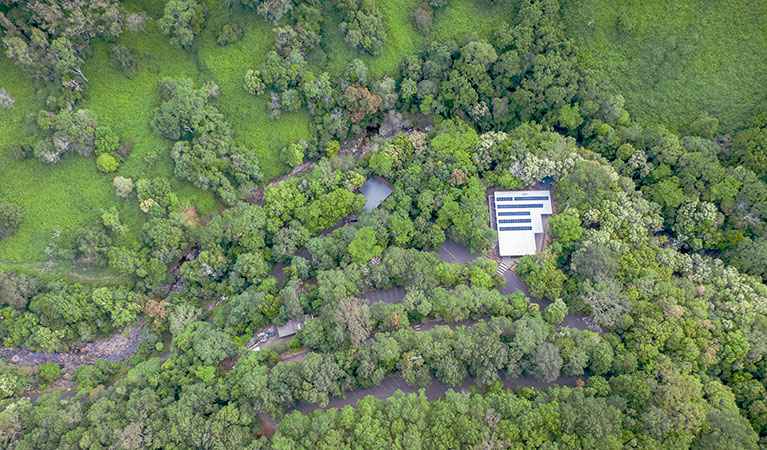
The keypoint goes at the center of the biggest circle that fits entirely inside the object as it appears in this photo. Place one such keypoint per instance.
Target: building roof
(517, 218)
(290, 328)
(516, 243)
(375, 193)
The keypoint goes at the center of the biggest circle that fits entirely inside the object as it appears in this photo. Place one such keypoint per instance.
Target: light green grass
(63, 198)
(127, 105)
(455, 21)
(58, 199)
(226, 66)
(680, 59)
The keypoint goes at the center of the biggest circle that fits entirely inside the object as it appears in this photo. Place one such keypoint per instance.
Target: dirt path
(62, 268)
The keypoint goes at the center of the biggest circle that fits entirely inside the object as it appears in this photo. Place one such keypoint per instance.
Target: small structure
(518, 217)
(292, 326)
(375, 192)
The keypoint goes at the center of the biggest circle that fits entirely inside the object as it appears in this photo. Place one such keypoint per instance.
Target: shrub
(125, 148)
(151, 158)
(123, 186)
(293, 154)
(50, 372)
(105, 140)
(333, 148)
(124, 59)
(106, 163)
(229, 34)
(11, 216)
(181, 22)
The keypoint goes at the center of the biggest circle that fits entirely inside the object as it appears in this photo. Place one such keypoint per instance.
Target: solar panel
(505, 199)
(521, 206)
(513, 213)
(531, 198)
(515, 229)
(514, 220)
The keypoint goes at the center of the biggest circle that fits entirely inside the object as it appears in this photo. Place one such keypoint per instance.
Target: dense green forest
(179, 178)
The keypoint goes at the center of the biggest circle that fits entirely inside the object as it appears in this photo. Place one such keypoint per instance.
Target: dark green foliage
(293, 154)
(205, 136)
(749, 147)
(49, 40)
(50, 372)
(423, 16)
(362, 25)
(124, 59)
(677, 358)
(181, 21)
(750, 256)
(229, 34)
(16, 289)
(303, 32)
(270, 9)
(11, 217)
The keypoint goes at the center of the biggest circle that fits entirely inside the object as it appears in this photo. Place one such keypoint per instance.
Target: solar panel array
(521, 205)
(515, 220)
(518, 219)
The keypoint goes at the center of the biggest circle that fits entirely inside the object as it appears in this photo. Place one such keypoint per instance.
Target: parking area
(391, 296)
(513, 284)
(266, 337)
(455, 253)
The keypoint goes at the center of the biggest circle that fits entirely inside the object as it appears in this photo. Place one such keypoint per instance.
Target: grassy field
(674, 60)
(68, 196)
(455, 21)
(247, 113)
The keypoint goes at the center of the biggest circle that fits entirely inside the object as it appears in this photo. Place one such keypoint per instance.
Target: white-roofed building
(518, 217)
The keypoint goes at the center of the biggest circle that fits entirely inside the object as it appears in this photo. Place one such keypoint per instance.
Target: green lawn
(63, 198)
(674, 60)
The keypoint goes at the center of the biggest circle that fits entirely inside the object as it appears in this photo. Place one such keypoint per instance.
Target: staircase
(502, 268)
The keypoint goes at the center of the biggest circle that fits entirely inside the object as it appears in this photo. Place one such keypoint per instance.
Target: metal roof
(290, 328)
(375, 193)
(516, 235)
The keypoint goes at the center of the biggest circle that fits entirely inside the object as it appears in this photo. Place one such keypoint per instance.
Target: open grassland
(457, 20)
(673, 61)
(58, 199)
(226, 66)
